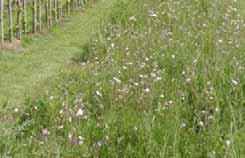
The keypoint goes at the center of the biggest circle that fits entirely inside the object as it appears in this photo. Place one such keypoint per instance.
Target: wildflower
(153, 75)
(152, 14)
(80, 140)
(132, 18)
(97, 144)
(16, 110)
(51, 97)
(136, 83)
(228, 143)
(234, 82)
(147, 90)
(45, 132)
(61, 112)
(201, 123)
(170, 102)
(70, 138)
(98, 93)
(158, 79)
(80, 112)
(188, 80)
(217, 109)
(220, 41)
(41, 142)
(211, 154)
(135, 128)
(183, 125)
(61, 127)
(124, 67)
(112, 45)
(117, 80)
(70, 119)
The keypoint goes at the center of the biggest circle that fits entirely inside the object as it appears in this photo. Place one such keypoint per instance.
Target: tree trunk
(1, 22)
(18, 25)
(10, 20)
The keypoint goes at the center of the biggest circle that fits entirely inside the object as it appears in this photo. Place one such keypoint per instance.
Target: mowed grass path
(24, 71)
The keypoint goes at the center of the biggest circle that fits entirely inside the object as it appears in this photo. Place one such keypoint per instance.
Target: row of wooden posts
(54, 11)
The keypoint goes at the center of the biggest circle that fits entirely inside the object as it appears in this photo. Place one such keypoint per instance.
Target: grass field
(40, 57)
(162, 79)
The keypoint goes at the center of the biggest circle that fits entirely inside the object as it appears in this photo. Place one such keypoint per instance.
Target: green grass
(23, 70)
(159, 79)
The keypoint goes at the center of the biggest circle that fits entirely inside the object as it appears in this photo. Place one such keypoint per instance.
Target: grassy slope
(22, 72)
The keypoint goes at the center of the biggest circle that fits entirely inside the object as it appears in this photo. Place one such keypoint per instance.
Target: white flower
(16, 110)
(80, 112)
(152, 14)
(61, 127)
(170, 102)
(80, 140)
(228, 142)
(117, 80)
(234, 82)
(201, 123)
(188, 80)
(112, 45)
(147, 90)
(132, 18)
(98, 93)
(217, 109)
(183, 125)
(136, 83)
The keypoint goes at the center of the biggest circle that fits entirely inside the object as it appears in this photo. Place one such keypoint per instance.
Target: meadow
(157, 79)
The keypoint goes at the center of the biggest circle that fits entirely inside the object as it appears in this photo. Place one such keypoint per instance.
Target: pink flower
(45, 132)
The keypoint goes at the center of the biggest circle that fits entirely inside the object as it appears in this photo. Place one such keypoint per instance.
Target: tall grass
(160, 79)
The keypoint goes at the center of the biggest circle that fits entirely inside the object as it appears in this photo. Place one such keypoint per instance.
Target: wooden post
(24, 19)
(72, 5)
(56, 12)
(61, 8)
(34, 18)
(46, 13)
(39, 15)
(1, 22)
(58, 9)
(49, 13)
(68, 7)
(10, 20)
(18, 25)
